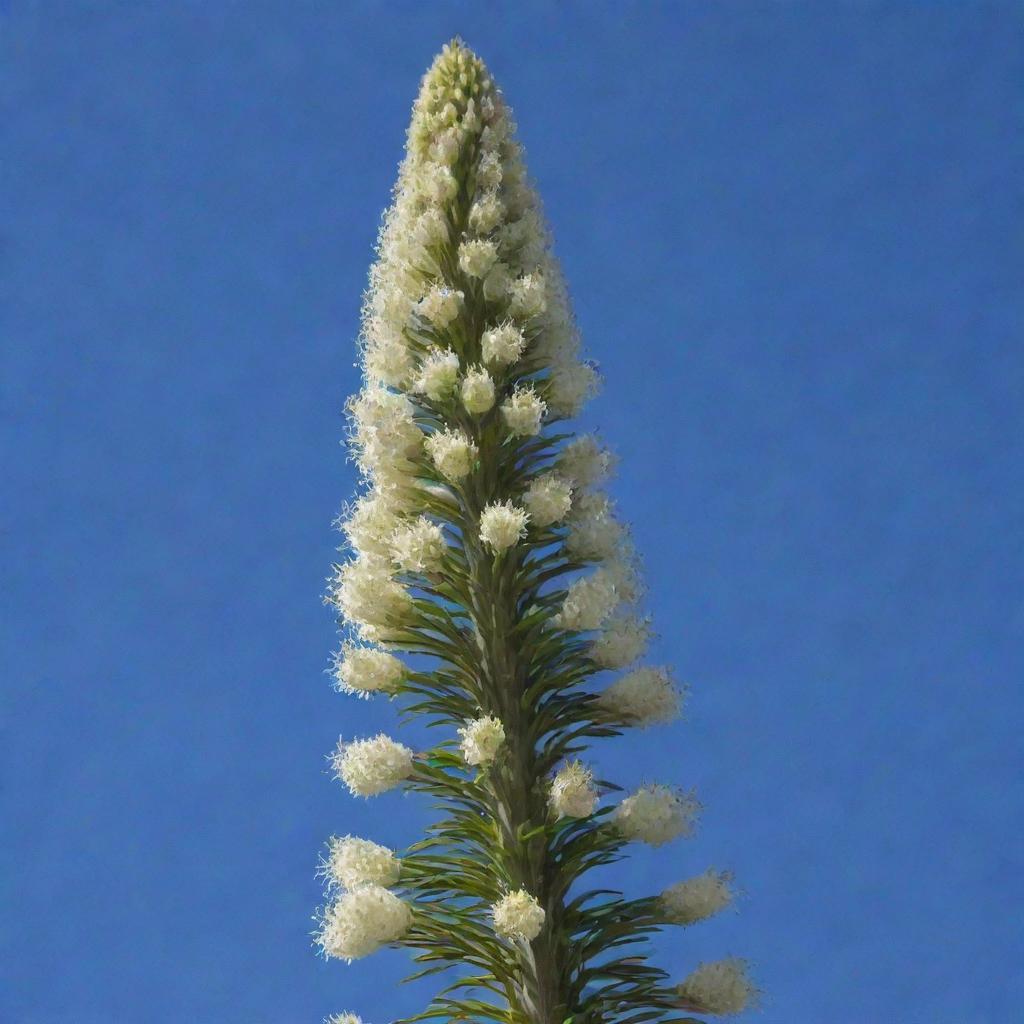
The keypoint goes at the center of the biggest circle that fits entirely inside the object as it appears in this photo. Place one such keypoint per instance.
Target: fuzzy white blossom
(477, 391)
(594, 532)
(622, 641)
(418, 546)
(523, 411)
(452, 452)
(365, 670)
(502, 524)
(573, 794)
(372, 766)
(353, 862)
(343, 1018)
(548, 499)
(439, 375)
(476, 257)
(362, 921)
(591, 600)
(570, 385)
(436, 184)
(529, 298)
(585, 462)
(498, 282)
(656, 815)
(720, 987)
(696, 898)
(486, 213)
(503, 344)
(481, 738)
(385, 433)
(370, 523)
(387, 359)
(518, 916)
(441, 305)
(646, 696)
(368, 596)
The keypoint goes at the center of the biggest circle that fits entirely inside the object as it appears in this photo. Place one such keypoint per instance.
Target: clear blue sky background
(793, 236)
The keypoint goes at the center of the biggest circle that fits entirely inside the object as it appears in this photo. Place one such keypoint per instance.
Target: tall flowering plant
(491, 588)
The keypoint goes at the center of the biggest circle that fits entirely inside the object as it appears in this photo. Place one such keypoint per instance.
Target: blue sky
(793, 236)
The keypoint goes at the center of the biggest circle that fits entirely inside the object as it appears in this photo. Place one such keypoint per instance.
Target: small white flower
(594, 532)
(488, 173)
(370, 523)
(369, 767)
(383, 428)
(720, 987)
(621, 642)
(502, 524)
(518, 916)
(572, 791)
(440, 305)
(387, 360)
(486, 214)
(523, 411)
(529, 297)
(418, 546)
(343, 1018)
(430, 229)
(590, 600)
(452, 452)
(696, 898)
(439, 374)
(362, 921)
(368, 597)
(365, 670)
(481, 740)
(445, 147)
(353, 862)
(436, 184)
(585, 462)
(548, 499)
(645, 697)
(656, 815)
(498, 282)
(570, 385)
(477, 391)
(476, 257)
(502, 344)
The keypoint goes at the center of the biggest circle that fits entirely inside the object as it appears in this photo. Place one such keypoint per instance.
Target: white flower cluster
(502, 524)
(585, 462)
(365, 670)
(646, 696)
(573, 794)
(418, 546)
(481, 740)
(720, 987)
(362, 921)
(503, 344)
(591, 600)
(656, 815)
(369, 598)
(548, 499)
(438, 376)
(477, 391)
(452, 452)
(621, 642)
(343, 1018)
(523, 411)
(594, 532)
(696, 898)
(369, 767)
(518, 916)
(353, 862)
